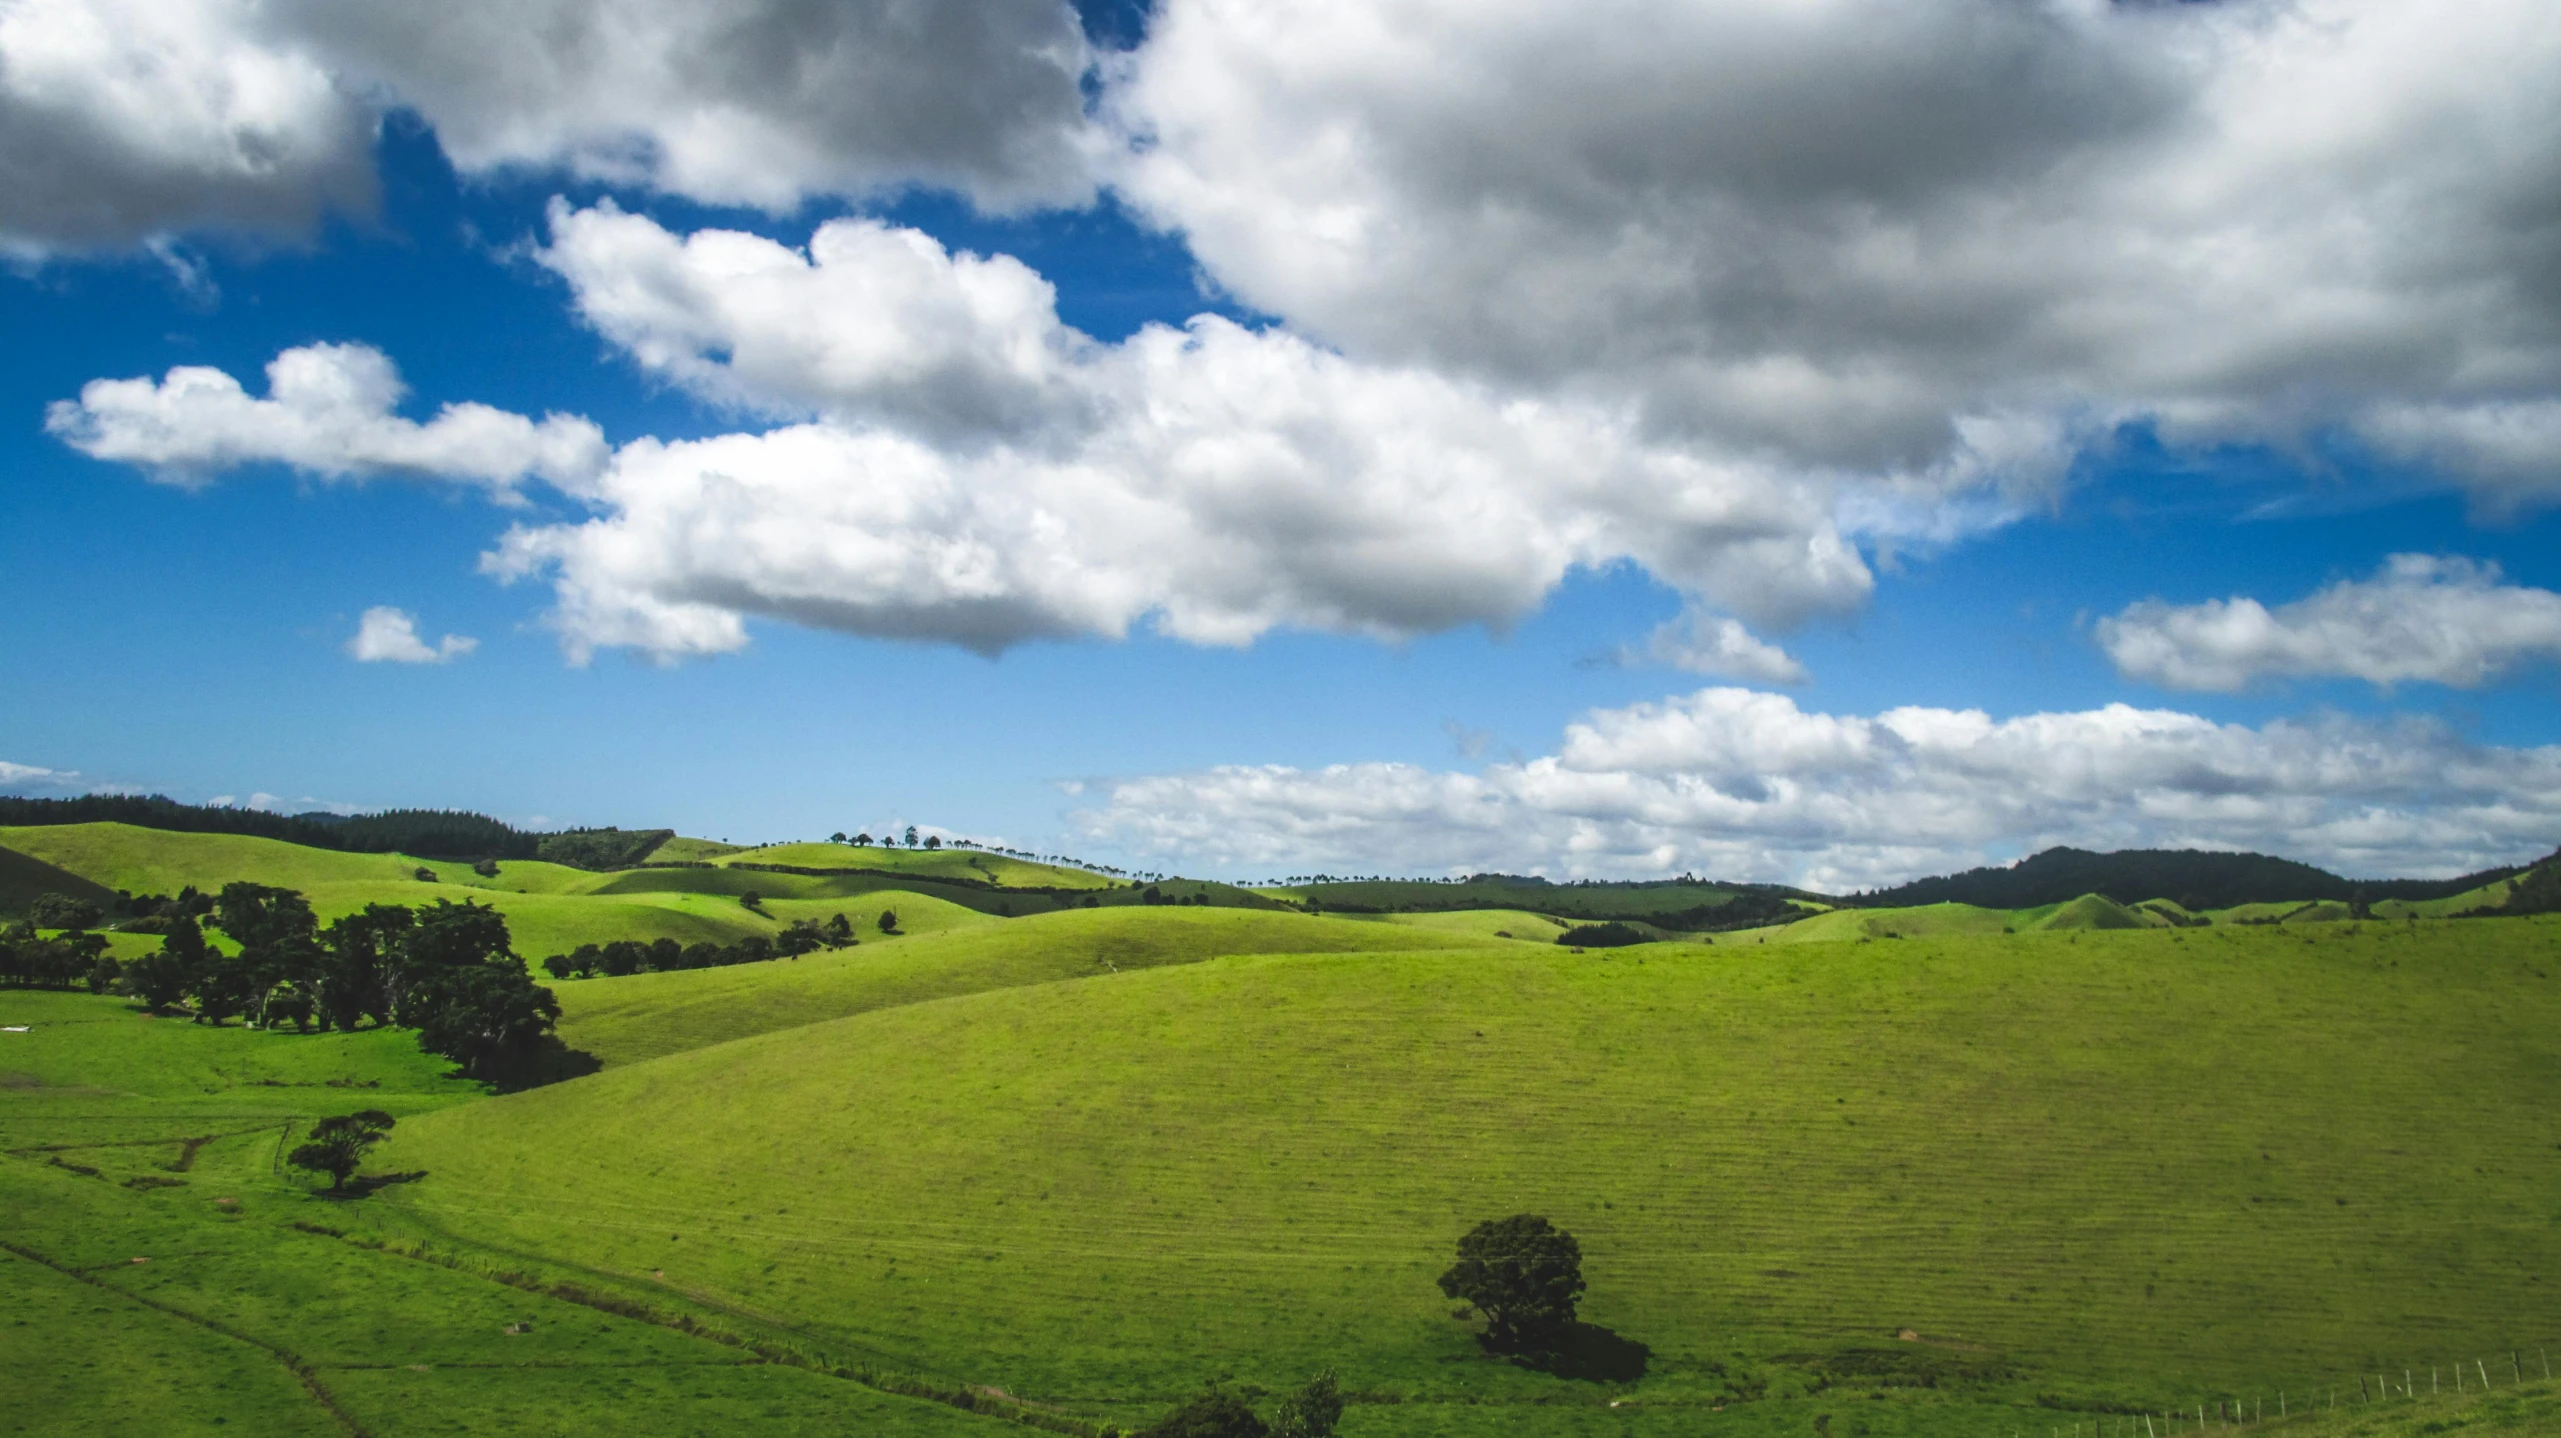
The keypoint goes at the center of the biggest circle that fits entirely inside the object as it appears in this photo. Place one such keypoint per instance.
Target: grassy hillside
(643, 1016)
(971, 864)
(2098, 1170)
(24, 877)
(159, 1274)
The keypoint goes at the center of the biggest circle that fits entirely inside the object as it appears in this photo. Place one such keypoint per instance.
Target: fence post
(2485, 1375)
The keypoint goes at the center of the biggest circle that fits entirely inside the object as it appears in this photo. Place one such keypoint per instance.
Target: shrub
(486, 868)
(1312, 1411)
(1612, 935)
(1215, 1414)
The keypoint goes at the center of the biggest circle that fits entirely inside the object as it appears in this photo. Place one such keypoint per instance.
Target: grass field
(646, 1015)
(2110, 1169)
(1931, 1171)
(971, 864)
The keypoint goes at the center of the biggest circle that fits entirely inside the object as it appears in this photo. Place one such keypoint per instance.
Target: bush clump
(1612, 935)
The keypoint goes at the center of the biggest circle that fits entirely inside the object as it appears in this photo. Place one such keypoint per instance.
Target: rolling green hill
(642, 1016)
(971, 865)
(2091, 1170)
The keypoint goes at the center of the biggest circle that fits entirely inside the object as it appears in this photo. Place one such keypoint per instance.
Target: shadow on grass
(553, 1063)
(364, 1184)
(1590, 1353)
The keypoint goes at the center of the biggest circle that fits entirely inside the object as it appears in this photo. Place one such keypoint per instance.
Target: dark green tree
(337, 1145)
(358, 951)
(1524, 1275)
(840, 930)
(61, 911)
(889, 921)
(490, 1018)
(1312, 1411)
(1215, 1414)
(161, 979)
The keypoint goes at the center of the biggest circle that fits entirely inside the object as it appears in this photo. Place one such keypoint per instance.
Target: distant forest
(426, 833)
(2192, 878)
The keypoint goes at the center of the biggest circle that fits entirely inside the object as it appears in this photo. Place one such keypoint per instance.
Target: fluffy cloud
(328, 412)
(972, 470)
(1713, 645)
(1746, 785)
(758, 102)
(1846, 231)
(389, 635)
(2423, 618)
(123, 119)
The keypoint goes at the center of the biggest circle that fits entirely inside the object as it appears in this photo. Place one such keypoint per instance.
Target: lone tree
(338, 1144)
(889, 921)
(1523, 1274)
(1312, 1411)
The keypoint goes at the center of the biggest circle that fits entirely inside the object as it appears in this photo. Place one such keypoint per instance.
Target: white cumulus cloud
(126, 120)
(2423, 618)
(1746, 785)
(1846, 231)
(758, 102)
(389, 635)
(328, 412)
(970, 469)
(1721, 647)
(121, 120)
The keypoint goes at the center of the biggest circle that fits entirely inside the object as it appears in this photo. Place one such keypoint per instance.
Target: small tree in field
(1523, 1274)
(337, 1145)
(889, 921)
(1312, 1411)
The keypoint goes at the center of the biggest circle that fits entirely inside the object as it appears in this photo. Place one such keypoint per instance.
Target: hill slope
(2197, 879)
(2118, 1168)
(643, 1016)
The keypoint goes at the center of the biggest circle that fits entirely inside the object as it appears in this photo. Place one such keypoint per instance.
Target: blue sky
(195, 638)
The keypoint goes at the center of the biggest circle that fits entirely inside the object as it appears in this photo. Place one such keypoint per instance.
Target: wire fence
(2466, 1377)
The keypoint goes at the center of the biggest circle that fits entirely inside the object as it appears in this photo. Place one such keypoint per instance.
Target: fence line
(2230, 1411)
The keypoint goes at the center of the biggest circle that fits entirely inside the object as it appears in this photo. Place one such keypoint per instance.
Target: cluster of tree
(447, 971)
(1612, 935)
(433, 833)
(1311, 1412)
(865, 841)
(631, 956)
(62, 961)
(2195, 879)
(2539, 892)
(601, 848)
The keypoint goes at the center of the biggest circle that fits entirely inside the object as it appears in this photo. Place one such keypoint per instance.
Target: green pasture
(642, 1016)
(2094, 1171)
(977, 865)
(124, 1137)
(1927, 1171)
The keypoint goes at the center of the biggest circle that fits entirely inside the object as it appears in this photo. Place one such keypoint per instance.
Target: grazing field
(1940, 1170)
(1002, 870)
(645, 1015)
(2103, 1171)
